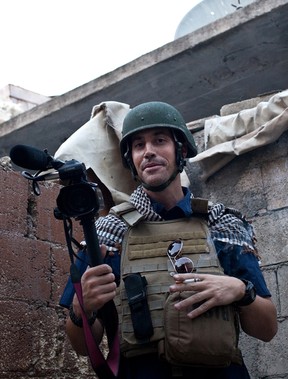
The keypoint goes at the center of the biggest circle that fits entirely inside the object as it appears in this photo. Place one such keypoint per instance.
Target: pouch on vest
(209, 340)
(135, 286)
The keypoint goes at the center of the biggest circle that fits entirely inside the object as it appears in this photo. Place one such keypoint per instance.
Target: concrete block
(25, 269)
(16, 344)
(60, 271)
(276, 190)
(271, 231)
(28, 342)
(272, 359)
(270, 276)
(249, 346)
(228, 109)
(237, 185)
(13, 202)
(282, 276)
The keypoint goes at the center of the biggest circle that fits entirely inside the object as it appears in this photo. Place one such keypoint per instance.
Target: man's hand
(98, 287)
(210, 291)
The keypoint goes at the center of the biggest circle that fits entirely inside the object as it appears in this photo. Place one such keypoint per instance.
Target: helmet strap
(180, 160)
(130, 163)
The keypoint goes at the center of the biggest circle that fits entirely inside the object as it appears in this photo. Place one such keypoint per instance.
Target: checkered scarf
(225, 224)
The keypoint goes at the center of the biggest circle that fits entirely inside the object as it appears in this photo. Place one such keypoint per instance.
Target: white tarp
(229, 136)
(96, 143)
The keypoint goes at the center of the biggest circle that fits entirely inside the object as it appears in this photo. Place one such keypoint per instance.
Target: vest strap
(127, 212)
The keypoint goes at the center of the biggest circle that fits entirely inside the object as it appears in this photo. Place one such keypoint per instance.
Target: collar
(184, 205)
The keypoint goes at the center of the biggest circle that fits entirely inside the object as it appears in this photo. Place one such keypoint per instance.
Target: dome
(206, 12)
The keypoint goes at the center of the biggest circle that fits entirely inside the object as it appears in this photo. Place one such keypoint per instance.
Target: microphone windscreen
(30, 157)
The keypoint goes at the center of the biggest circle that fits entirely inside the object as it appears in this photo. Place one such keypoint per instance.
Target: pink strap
(104, 368)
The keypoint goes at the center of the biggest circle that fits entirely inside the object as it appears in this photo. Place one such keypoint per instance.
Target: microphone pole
(108, 312)
(91, 239)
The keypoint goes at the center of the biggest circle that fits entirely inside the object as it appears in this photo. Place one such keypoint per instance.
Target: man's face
(153, 155)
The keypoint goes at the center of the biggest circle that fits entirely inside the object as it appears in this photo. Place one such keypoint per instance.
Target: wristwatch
(78, 321)
(250, 294)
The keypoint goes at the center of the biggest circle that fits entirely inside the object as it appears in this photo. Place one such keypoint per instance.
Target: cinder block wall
(33, 271)
(257, 184)
(35, 264)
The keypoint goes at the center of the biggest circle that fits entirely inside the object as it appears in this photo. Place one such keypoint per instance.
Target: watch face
(249, 286)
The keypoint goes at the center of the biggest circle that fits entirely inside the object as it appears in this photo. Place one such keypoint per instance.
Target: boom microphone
(31, 158)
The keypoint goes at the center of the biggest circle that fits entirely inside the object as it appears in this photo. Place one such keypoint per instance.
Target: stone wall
(257, 184)
(35, 264)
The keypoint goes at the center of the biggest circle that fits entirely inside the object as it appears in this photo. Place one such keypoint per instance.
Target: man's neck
(169, 197)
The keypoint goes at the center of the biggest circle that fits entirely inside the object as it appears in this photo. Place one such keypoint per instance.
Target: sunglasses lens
(174, 248)
(184, 265)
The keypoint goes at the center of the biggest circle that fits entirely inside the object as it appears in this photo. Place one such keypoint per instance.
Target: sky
(52, 47)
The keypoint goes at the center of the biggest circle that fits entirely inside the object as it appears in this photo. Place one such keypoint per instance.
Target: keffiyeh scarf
(225, 224)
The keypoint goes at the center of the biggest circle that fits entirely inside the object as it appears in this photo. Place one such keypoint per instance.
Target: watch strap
(249, 296)
(78, 320)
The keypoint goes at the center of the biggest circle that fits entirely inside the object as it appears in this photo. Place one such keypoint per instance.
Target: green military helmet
(155, 114)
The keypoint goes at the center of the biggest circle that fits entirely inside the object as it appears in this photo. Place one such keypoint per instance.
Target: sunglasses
(180, 264)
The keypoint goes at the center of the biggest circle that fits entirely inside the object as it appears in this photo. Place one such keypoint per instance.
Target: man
(155, 142)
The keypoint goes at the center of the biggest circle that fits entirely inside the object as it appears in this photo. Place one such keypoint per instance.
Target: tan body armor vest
(144, 251)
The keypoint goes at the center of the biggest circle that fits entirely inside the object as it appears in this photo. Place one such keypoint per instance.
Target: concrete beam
(241, 56)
